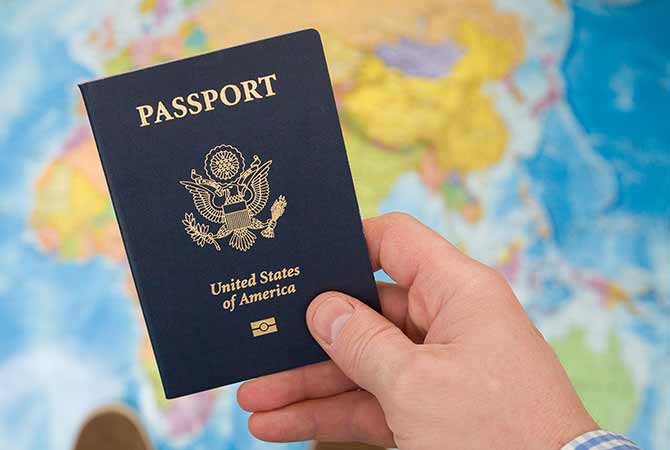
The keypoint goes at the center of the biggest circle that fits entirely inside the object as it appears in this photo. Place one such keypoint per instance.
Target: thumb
(368, 348)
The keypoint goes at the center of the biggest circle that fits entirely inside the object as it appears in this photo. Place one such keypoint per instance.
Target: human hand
(454, 364)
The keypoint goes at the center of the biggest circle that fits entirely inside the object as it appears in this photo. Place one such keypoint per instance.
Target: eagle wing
(260, 189)
(202, 198)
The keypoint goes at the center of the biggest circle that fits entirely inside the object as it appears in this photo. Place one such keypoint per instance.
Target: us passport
(231, 186)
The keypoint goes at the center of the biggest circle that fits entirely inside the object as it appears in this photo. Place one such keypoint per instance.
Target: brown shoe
(112, 428)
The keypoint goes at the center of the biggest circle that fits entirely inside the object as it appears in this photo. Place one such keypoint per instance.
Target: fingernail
(330, 317)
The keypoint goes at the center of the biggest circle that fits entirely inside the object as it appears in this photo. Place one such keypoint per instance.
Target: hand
(454, 364)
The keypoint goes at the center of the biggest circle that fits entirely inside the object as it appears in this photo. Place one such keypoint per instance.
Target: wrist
(556, 431)
(555, 434)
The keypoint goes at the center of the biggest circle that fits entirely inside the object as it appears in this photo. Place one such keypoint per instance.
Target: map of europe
(532, 134)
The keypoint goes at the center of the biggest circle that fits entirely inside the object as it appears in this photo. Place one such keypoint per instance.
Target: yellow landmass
(358, 26)
(73, 216)
(147, 5)
(363, 25)
(375, 171)
(343, 59)
(487, 57)
(350, 28)
(120, 63)
(451, 115)
(617, 295)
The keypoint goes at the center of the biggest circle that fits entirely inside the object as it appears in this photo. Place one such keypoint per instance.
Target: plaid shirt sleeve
(601, 440)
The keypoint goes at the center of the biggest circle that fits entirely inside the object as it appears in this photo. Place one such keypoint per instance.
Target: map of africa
(533, 135)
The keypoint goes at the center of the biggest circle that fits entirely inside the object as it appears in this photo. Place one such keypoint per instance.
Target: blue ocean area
(613, 160)
(617, 74)
(602, 168)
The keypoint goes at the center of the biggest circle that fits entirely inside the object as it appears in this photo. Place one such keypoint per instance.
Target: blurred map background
(535, 135)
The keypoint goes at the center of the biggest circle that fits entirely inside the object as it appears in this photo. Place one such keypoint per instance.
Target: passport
(230, 183)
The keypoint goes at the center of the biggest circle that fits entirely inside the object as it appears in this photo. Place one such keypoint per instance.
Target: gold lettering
(145, 111)
(275, 292)
(192, 99)
(216, 291)
(268, 84)
(250, 93)
(209, 95)
(161, 111)
(196, 102)
(236, 93)
(178, 104)
(266, 276)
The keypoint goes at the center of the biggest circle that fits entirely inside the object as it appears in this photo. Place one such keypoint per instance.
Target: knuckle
(491, 276)
(491, 288)
(488, 278)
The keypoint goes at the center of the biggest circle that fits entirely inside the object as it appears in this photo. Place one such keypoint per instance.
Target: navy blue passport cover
(231, 186)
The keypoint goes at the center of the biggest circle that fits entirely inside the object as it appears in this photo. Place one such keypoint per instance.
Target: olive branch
(199, 232)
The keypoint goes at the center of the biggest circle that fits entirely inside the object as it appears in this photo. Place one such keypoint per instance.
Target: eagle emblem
(231, 195)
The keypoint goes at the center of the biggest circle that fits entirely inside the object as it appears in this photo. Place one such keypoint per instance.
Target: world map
(532, 135)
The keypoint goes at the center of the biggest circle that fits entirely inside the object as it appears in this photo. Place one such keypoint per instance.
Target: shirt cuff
(601, 440)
